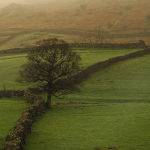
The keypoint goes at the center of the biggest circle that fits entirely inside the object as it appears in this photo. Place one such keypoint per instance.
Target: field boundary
(13, 51)
(16, 138)
(86, 73)
(114, 46)
(139, 44)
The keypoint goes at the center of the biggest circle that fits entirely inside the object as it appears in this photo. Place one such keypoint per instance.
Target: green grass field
(10, 110)
(112, 109)
(10, 65)
(91, 56)
(9, 75)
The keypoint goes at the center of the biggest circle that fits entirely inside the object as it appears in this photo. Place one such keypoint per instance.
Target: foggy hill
(117, 15)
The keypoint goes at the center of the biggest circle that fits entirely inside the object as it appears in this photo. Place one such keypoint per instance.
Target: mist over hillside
(83, 14)
(115, 16)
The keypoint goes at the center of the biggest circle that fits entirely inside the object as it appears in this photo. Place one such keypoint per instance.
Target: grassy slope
(25, 38)
(9, 113)
(114, 112)
(10, 65)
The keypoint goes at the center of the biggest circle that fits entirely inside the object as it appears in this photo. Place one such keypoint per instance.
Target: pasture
(10, 65)
(110, 110)
(10, 110)
(9, 73)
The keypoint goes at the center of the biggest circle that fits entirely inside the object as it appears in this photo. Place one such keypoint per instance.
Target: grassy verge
(10, 110)
(111, 110)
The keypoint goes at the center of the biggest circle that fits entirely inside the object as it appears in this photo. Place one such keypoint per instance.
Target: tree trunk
(49, 100)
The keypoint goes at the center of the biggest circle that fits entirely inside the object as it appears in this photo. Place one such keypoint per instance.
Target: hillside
(121, 18)
(116, 14)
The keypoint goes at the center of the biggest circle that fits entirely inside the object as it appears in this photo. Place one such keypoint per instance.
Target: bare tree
(50, 61)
